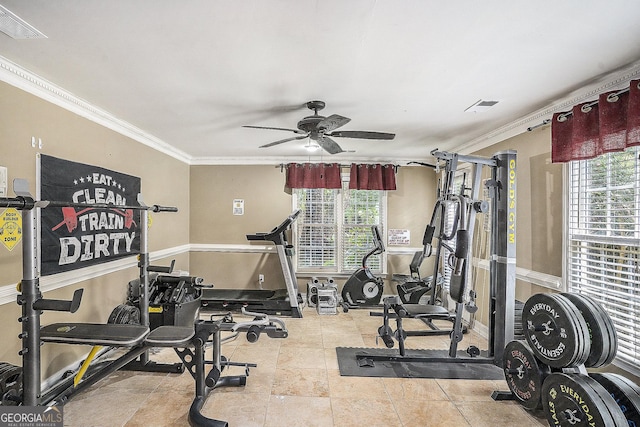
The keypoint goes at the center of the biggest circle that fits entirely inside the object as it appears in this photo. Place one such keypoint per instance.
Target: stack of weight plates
(565, 334)
(10, 384)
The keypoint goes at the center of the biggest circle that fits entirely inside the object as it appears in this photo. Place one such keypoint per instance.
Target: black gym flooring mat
(349, 366)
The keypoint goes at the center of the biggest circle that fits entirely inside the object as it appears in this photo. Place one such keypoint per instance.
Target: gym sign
(10, 228)
(75, 237)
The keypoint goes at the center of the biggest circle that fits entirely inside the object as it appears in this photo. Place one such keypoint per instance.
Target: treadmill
(281, 302)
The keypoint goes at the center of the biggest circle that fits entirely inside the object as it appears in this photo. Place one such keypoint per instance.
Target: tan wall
(165, 181)
(213, 189)
(539, 219)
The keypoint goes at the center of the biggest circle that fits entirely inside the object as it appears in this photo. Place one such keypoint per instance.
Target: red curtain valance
(313, 175)
(327, 175)
(372, 177)
(593, 128)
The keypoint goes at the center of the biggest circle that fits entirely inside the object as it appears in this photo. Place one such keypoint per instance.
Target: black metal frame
(502, 265)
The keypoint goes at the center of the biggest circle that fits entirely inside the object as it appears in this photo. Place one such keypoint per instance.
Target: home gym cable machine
(190, 343)
(501, 299)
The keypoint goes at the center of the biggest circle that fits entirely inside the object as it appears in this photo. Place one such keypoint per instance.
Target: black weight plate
(627, 398)
(598, 334)
(524, 374)
(616, 413)
(116, 313)
(571, 312)
(607, 357)
(583, 343)
(10, 378)
(567, 401)
(552, 331)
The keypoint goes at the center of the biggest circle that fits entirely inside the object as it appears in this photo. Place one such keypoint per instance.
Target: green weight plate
(568, 400)
(553, 330)
(626, 395)
(524, 374)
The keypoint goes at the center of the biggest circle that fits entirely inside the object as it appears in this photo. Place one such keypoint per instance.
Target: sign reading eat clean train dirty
(76, 237)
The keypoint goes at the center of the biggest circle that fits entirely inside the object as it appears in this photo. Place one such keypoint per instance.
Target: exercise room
(319, 213)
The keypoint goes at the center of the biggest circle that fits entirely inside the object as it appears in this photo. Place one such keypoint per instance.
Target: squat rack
(30, 297)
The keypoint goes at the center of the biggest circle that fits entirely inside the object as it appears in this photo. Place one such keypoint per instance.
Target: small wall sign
(399, 237)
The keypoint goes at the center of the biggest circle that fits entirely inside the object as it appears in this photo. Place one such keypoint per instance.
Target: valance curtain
(313, 175)
(593, 128)
(372, 177)
(327, 175)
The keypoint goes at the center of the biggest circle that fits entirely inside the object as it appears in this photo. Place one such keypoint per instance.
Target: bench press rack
(137, 338)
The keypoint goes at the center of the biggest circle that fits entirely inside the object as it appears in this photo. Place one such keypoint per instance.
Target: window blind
(603, 248)
(333, 232)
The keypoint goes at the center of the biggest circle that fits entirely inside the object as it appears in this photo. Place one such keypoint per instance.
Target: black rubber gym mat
(349, 366)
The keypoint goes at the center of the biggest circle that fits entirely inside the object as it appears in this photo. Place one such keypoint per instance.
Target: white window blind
(362, 209)
(333, 231)
(603, 251)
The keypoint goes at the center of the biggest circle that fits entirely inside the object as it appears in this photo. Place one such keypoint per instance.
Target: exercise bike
(363, 288)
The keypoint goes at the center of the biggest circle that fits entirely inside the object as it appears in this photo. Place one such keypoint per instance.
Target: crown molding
(19, 77)
(587, 92)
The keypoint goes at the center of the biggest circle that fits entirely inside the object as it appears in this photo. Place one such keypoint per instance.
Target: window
(603, 249)
(333, 230)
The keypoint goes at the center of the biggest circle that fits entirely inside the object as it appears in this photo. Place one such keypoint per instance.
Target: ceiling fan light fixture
(311, 146)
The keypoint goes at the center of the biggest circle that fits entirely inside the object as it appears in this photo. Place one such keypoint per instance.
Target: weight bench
(116, 335)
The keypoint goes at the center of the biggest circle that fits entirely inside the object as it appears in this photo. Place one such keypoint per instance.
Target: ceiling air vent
(16, 28)
(480, 106)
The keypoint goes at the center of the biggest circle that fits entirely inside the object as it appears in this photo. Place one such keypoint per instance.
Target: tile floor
(297, 383)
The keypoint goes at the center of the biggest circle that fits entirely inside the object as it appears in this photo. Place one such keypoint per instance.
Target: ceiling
(187, 75)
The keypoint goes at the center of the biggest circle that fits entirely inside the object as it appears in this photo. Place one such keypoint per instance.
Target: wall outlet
(260, 278)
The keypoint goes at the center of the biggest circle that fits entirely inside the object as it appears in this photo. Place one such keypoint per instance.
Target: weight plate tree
(556, 331)
(625, 392)
(578, 400)
(524, 374)
(602, 333)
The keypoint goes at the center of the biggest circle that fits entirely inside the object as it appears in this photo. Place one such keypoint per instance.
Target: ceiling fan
(319, 128)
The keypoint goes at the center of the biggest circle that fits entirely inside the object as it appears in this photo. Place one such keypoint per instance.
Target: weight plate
(624, 392)
(569, 400)
(598, 334)
(10, 379)
(524, 374)
(604, 340)
(583, 343)
(554, 331)
(612, 407)
(116, 313)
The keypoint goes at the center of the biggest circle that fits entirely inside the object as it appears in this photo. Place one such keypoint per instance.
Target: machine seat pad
(94, 334)
(424, 310)
(170, 336)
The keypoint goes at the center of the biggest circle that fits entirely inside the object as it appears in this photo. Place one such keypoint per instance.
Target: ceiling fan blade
(362, 134)
(332, 122)
(329, 145)
(273, 128)
(271, 144)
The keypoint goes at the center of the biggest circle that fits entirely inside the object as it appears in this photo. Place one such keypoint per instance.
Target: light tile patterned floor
(297, 383)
